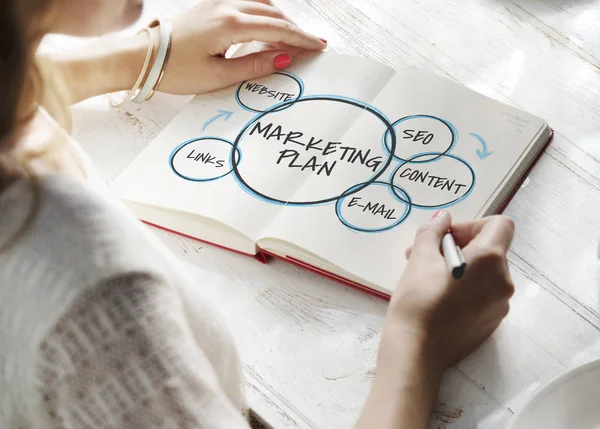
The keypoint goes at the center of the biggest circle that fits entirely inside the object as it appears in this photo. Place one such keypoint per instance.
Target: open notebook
(332, 164)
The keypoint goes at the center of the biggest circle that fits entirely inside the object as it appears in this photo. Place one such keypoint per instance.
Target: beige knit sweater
(101, 327)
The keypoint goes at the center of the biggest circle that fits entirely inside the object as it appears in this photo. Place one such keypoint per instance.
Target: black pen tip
(458, 272)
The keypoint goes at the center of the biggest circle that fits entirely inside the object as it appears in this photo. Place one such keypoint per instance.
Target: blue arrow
(222, 114)
(482, 154)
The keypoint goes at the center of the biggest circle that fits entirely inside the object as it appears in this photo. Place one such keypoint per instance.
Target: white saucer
(572, 401)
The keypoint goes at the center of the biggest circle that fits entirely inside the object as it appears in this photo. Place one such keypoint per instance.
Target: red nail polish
(438, 214)
(282, 61)
(323, 40)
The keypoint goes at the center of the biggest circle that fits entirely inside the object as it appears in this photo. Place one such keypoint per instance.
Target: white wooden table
(308, 344)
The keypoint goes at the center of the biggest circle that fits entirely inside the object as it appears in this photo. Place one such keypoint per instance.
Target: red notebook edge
(263, 256)
(508, 199)
(327, 274)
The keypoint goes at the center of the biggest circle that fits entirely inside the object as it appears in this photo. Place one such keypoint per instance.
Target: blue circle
(441, 206)
(407, 209)
(250, 109)
(451, 127)
(195, 179)
(363, 106)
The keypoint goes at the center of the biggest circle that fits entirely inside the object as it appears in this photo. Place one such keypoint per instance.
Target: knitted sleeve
(123, 356)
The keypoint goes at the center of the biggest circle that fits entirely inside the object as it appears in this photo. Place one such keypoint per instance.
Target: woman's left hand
(196, 65)
(202, 35)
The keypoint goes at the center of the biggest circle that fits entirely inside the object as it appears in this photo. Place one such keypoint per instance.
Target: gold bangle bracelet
(162, 71)
(144, 72)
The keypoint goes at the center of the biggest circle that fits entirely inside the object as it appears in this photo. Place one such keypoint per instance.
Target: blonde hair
(26, 83)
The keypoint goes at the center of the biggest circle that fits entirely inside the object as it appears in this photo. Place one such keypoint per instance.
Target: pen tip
(458, 272)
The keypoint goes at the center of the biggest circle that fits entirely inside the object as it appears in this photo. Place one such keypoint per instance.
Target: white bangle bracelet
(159, 62)
(136, 87)
(162, 71)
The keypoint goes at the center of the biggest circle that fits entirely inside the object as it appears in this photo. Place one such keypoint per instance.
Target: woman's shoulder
(60, 227)
(88, 290)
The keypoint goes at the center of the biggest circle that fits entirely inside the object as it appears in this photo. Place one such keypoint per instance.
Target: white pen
(454, 257)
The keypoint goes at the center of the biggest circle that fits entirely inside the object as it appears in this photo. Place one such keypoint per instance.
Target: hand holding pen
(434, 319)
(451, 317)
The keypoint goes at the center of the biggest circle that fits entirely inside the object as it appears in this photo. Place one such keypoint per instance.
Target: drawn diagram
(372, 170)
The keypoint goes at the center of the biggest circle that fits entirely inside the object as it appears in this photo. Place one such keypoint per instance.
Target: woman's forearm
(196, 63)
(405, 387)
(109, 64)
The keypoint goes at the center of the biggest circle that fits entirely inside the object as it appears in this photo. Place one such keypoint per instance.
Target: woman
(100, 326)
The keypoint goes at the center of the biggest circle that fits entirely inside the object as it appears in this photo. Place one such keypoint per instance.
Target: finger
(292, 50)
(273, 30)
(251, 66)
(429, 236)
(269, 2)
(495, 233)
(464, 232)
(408, 252)
(260, 9)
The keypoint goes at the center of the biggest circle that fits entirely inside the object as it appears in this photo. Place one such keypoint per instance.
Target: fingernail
(323, 40)
(438, 214)
(282, 61)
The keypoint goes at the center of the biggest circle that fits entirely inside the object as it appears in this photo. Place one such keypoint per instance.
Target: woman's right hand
(434, 321)
(451, 318)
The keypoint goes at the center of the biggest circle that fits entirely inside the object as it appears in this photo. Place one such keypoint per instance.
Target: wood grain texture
(309, 345)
